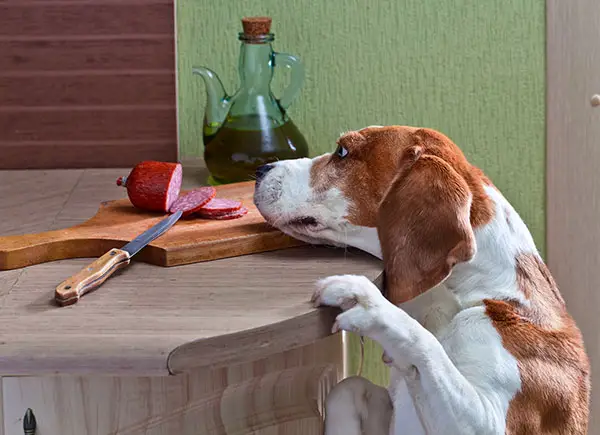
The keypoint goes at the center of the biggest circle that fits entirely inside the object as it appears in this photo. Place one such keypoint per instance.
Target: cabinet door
(573, 159)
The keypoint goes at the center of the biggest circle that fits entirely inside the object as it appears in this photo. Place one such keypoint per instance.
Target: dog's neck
(490, 275)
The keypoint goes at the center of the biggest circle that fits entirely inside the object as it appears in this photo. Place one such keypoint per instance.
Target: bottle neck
(255, 67)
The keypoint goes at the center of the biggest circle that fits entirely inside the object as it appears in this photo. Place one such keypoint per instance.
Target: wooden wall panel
(85, 54)
(43, 154)
(61, 18)
(86, 83)
(86, 123)
(59, 91)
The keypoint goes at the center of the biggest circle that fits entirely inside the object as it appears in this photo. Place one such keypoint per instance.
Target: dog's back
(554, 368)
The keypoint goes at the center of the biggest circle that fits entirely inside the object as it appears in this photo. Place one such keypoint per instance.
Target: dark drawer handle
(29, 423)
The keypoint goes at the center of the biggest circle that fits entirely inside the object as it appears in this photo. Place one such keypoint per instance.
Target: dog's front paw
(345, 291)
(358, 297)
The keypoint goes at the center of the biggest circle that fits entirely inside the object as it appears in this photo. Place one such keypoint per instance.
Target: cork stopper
(256, 26)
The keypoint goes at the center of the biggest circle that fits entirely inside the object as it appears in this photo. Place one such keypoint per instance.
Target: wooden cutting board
(117, 222)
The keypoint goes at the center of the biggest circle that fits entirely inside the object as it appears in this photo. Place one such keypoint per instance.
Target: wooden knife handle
(69, 291)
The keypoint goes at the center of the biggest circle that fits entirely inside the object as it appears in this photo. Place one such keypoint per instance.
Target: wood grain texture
(86, 84)
(118, 222)
(573, 183)
(215, 313)
(8, 280)
(108, 53)
(60, 18)
(20, 190)
(279, 394)
(139, 123)
(91, 153)
(77, 90)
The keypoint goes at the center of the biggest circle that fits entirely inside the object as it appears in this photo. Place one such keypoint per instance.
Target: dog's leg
(468, 394)
(356, 406)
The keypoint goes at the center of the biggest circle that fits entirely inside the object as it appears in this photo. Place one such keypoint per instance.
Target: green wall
(474, 69)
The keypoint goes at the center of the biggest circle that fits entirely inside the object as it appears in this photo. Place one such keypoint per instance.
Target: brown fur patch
(435, 143)
(549, 349)
(538, 286)
(418, 201)
(424, 225)
(365, 174)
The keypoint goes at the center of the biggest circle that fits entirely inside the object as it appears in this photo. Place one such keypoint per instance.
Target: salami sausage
(219, 206)
(153, 185)
(224, 216)
(193, 200)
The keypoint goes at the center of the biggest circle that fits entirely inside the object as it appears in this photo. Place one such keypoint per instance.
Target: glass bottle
(251, 127)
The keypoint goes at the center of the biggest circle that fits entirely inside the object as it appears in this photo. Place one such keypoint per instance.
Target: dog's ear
(424, 224)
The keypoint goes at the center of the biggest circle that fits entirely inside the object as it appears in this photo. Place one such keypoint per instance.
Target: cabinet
(280, 394)
(573, 180)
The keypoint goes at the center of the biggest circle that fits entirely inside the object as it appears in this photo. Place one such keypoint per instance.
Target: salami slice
(193, 200)
(153, 185)
(219, 206)
(236, 214)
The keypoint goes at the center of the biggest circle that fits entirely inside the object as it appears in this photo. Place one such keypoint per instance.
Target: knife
(69, 291)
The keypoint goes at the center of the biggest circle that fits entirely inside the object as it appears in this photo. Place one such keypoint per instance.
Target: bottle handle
(297, 77)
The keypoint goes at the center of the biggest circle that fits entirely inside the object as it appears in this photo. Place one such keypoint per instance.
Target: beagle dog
(473, 327)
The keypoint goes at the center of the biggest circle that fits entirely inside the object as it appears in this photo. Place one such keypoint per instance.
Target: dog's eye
(341, 152)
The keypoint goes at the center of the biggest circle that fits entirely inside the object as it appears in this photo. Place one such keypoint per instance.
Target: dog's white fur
(450, 373)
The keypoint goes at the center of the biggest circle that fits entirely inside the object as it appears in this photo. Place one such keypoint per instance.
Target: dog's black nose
(261, 171)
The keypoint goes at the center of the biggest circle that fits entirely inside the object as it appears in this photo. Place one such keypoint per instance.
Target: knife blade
(93, 276)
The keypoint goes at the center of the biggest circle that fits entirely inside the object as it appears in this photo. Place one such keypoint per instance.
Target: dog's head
(405, 194)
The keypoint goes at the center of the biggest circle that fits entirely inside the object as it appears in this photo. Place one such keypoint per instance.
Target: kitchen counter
(230, 330)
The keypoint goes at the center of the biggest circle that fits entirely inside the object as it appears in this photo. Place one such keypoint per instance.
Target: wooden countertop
(150, 320)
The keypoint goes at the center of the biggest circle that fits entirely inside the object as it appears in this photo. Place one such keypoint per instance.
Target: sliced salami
(193, 200)
(224, 216)
(219, 206)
